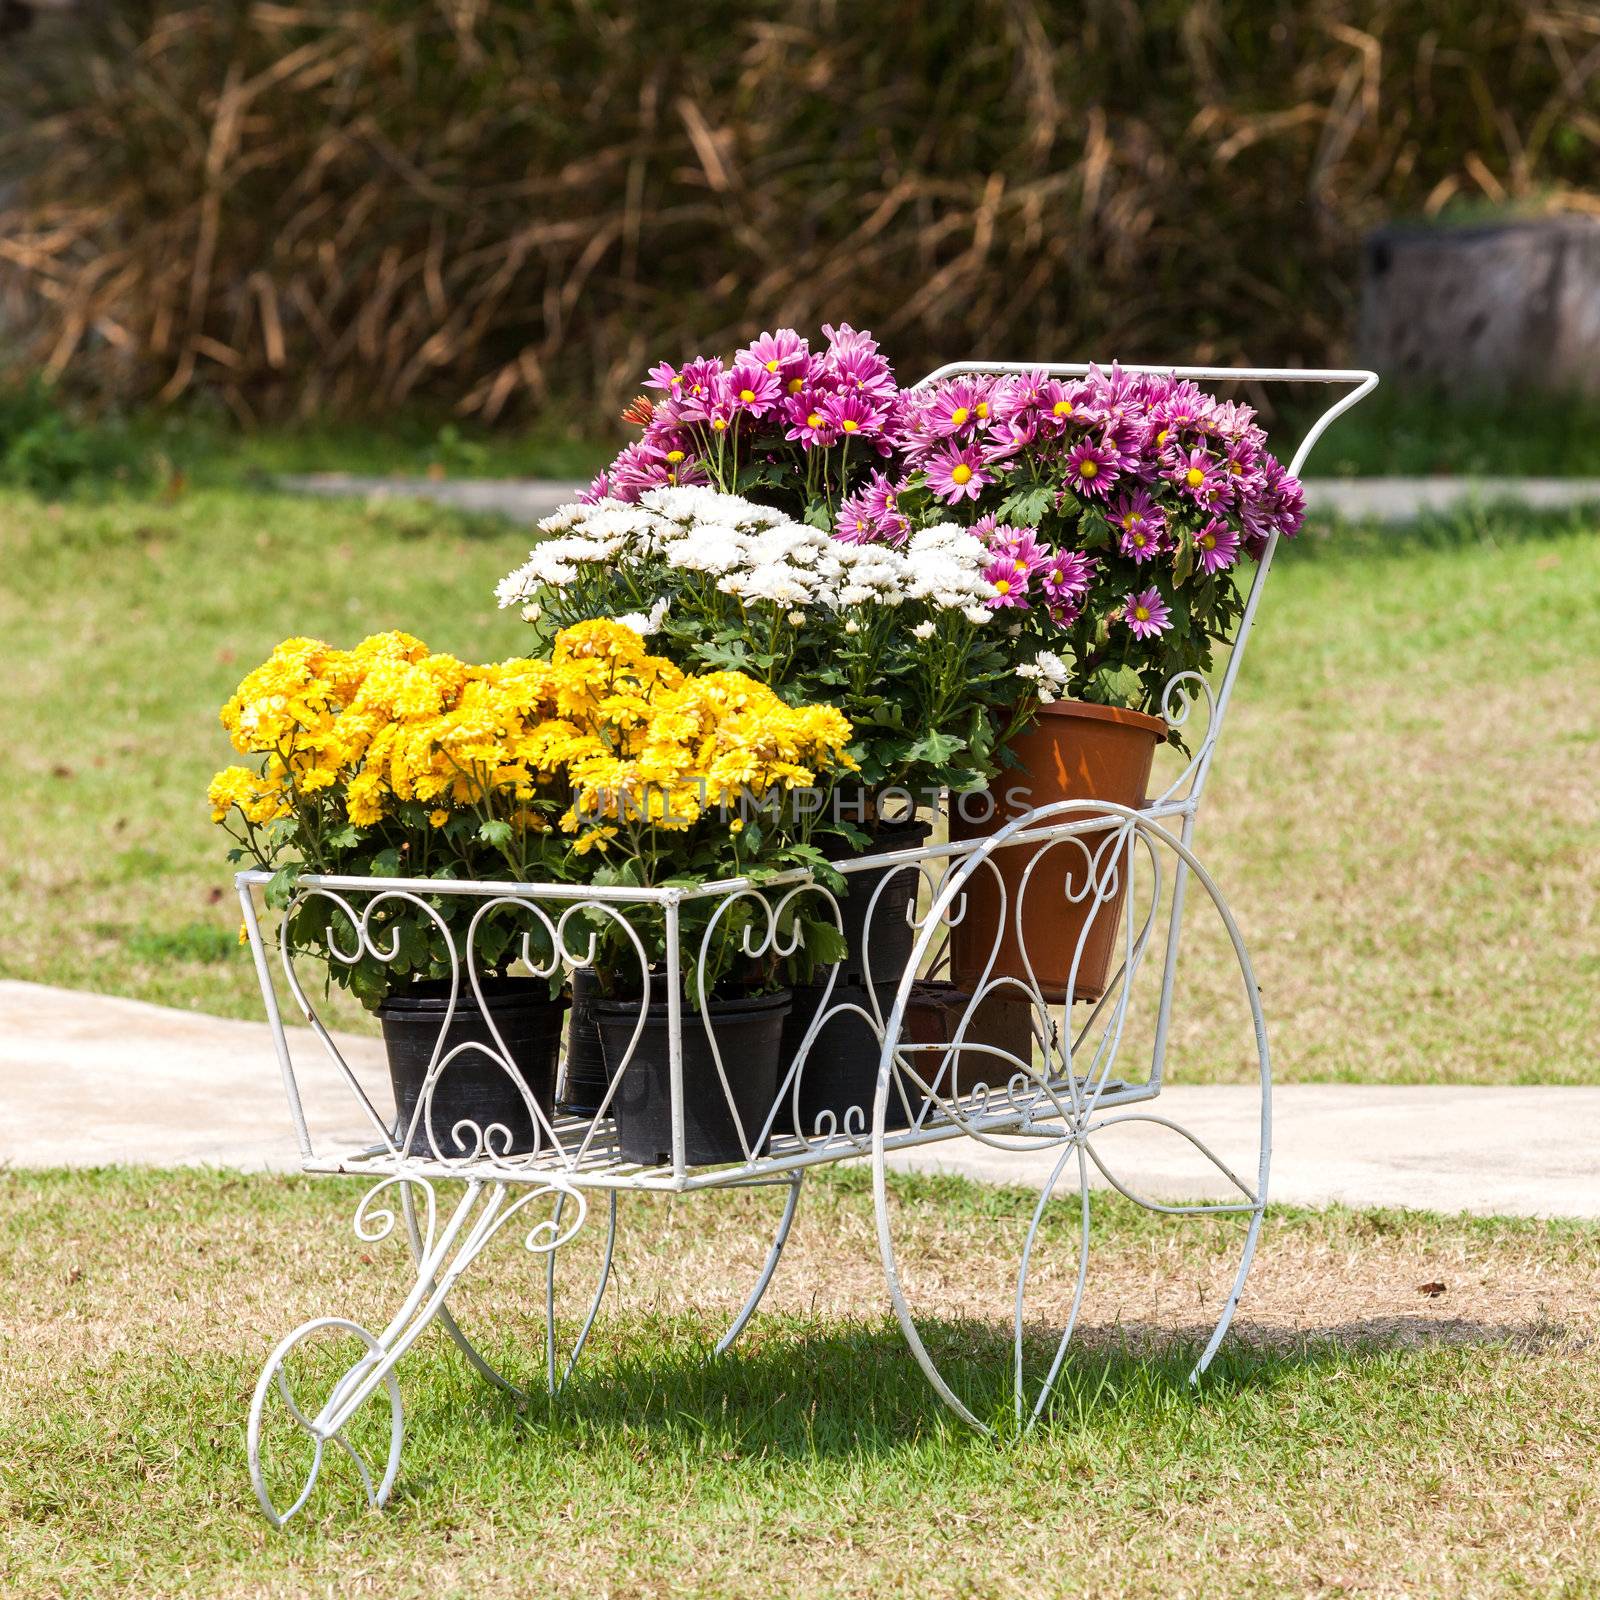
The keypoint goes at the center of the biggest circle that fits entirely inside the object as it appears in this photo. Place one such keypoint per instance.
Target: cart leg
(446, 1253)
(553, 1383)
(774, 1255)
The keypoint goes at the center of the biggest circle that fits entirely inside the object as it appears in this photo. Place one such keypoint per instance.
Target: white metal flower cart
(943, 1072)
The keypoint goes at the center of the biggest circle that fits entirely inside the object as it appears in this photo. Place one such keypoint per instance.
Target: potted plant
(1123, 505)
(392, 761)
(682, 785)
(900, 641)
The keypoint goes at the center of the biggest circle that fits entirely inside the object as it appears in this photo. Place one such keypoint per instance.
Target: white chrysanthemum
(644, 623)
(1048, 673)
(923, 630)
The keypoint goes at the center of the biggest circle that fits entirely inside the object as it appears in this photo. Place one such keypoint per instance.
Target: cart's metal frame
(1061, 1096)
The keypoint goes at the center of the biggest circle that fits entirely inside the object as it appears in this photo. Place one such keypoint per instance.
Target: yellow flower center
(1208, 541)
(983, 410)
(1236, 468)
(1088, 468)
(959, 416)
(1062, 408)
(674, 456)
(796, 385)
(1194, 477)
(814, 420)
(1142, 613)
(677, 378)
(961, 473)
(1138, 541)
(772, 366)
(1164, 435)
(849, 425)
(1020, 567)
(1002, 586)
(719, 423)
(747, 395)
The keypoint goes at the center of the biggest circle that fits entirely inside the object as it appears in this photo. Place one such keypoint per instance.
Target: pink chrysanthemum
(809, 421)
(1140, 524)
(1196, 476)
(1216, 546)
(957, 474)
(754, 389)
(1066, 576)
(954, 408)
(1146, 614)
(599, 489)
(1010, 586)
(1092, 468)
(784, 354)
(853, 416)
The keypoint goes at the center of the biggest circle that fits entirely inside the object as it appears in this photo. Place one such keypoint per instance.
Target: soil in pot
(473, 1087)
(749, 1035)
(1072, 751)
(892, 934)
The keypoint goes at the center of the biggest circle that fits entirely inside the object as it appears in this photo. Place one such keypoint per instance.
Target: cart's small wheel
(318, 1427)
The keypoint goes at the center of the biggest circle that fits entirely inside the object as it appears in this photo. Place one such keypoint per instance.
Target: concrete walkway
(88, 1079)
(1384, 499)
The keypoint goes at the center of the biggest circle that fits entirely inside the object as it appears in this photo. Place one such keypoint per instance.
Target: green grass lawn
(1357, 1435)
(1404, 812)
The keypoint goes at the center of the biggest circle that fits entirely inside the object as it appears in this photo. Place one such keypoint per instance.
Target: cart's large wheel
(1082, 1123)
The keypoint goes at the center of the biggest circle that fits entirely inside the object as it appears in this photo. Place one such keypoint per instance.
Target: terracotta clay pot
(1072, 751)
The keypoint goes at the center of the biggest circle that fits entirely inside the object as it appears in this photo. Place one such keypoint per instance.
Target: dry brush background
(506, 208)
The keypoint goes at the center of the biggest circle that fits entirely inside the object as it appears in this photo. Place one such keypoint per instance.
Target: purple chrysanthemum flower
(642, 466)
(1010, 586)
(857, 524)
(1279, 503)
(1140, 523)
(1197, 477)
(599, 489)
(1019, 396)
(954, 408)
(1061, 407)
(700, 383)
(854, 416)
(755, 389)
(845, 340)
(1092, 468)
(1216, 546)
(1065, 577)
(784, 354)
(809, 421)
(1019, 546)
(663, 376)
(881, 497)
(1066, 612)
(957, 474)
(862, 372)
(1146, 614)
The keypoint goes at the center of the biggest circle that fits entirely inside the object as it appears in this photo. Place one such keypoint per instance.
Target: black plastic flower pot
(749, 1035)
(474, 1087)
(840, 1071)
(585, 1081)
(892, 936)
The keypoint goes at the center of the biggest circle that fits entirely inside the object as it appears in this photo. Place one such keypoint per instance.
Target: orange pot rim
(1088, 710)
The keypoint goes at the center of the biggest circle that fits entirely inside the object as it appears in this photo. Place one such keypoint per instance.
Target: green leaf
(824, 943)
(496, 832)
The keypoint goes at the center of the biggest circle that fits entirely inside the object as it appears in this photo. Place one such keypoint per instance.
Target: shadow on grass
(854, 1390)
